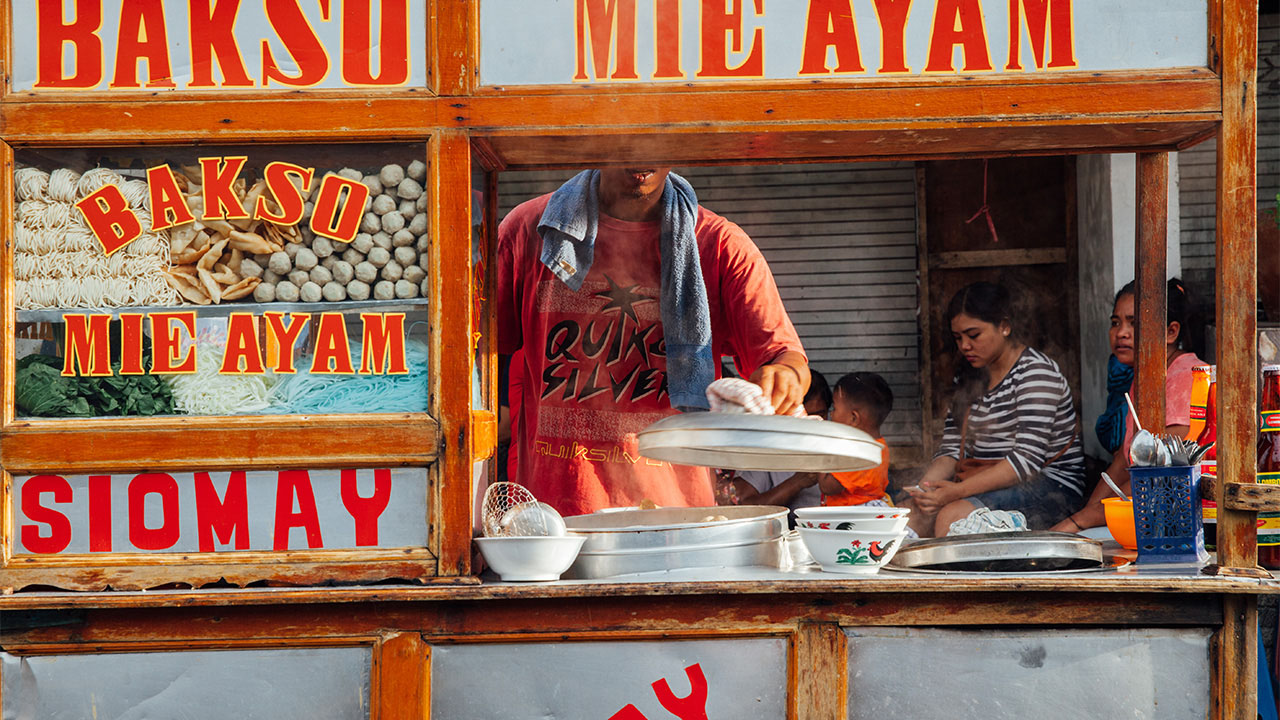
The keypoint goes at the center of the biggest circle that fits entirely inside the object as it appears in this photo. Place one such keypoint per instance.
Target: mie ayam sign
(538, 42)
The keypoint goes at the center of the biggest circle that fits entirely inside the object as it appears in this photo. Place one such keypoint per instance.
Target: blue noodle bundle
(305, 393)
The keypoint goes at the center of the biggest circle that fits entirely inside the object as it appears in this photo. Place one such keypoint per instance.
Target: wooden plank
(1251, 497)
(112, 445)
(819, 676)
(1150, 261)
(401, 671)
(8, 311)
(997, 258)
(1236, 660)
(453, 32)
(449, 183)
(1237, 292)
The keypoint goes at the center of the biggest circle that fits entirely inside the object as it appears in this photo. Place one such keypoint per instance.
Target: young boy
(861, 400)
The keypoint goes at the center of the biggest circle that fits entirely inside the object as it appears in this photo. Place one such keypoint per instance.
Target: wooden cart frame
(466, 127)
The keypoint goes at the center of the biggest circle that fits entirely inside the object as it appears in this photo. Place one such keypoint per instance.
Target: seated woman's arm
(1093, 514)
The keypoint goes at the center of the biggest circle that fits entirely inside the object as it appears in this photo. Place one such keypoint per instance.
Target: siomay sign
(219, 511)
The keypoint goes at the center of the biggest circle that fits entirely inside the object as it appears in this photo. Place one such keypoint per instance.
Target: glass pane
(214, 684)
(221, 281)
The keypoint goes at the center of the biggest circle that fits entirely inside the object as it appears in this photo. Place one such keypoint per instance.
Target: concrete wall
(1106, 190)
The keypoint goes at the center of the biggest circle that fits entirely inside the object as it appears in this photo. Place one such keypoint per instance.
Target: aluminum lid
(1001, 552)
(736, 441)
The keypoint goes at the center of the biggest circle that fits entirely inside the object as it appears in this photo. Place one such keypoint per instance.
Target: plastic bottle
(1269, 465)
(1199, 399)
(1209, 463)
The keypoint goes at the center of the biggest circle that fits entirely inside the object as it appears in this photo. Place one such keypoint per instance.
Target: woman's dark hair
(988, 302)
(818, 387)
(1178, 308)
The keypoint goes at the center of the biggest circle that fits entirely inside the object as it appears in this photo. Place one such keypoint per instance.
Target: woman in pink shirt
(1179, 359)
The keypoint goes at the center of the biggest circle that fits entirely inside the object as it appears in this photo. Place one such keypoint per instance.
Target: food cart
(306, 549)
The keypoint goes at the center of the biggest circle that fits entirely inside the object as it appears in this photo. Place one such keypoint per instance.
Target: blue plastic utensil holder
(1166, 514)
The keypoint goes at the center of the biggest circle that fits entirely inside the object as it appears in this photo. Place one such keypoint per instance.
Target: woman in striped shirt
(1010, 441)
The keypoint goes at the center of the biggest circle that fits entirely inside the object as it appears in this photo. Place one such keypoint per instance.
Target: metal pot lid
(736, 441)
(1001, 552)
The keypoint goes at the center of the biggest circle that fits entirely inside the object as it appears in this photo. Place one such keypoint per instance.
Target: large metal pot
(637, 541)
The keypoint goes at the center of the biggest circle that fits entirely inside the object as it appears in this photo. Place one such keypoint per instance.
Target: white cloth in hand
(735, 395)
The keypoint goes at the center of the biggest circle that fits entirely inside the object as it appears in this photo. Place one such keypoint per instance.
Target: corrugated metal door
(841, 241)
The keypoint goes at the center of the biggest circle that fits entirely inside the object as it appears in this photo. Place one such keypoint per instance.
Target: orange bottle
(1209, 463)
(1269, 465)
(1199, 400)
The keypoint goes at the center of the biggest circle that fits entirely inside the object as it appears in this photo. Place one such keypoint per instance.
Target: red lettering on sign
(87, 343)
(166, 535)
(109, 217)
(630, 712)
(168, 204)
(598, 22)
(59, 536)
(666, 33)
(142, 37)
(224, 517)
(333, 351)
(99, 513)
(294, 30)
(212, 33)
(382, 347)
(335, 218)
(131, 344)
(892, 15)
(291, 484)
(286, 195)
(1044, 17)
(81, 33)
(242, 348)
(166, 342)
(219, 175)
(392, 44)
(690, 707)
(718, 26)
(285, 336)
(830, 24)
(958, 22)
(366, 511)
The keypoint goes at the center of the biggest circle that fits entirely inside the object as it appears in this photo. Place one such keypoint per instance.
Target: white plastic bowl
(530, 559)
(848, 551)
(867, 524)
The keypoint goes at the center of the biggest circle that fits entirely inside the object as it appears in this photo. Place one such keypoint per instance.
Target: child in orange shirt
(861, 400)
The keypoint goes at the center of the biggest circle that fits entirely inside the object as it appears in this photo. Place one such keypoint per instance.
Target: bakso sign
(537, 42)
(209, 511)
(62, 45)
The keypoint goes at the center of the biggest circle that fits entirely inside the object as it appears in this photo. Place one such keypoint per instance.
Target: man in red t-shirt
(593, 366)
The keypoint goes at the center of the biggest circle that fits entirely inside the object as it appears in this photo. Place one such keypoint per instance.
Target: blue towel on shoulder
(568, 228)
(1110, 426)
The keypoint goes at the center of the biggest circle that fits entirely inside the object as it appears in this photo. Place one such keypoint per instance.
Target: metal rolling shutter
(841, 241)
(1197, 169)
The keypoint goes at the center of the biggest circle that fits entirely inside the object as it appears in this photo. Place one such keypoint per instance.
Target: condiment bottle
(1269, 465)
(1199, 400)
(1209, 463)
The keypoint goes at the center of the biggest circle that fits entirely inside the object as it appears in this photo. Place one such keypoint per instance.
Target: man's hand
(784, 382)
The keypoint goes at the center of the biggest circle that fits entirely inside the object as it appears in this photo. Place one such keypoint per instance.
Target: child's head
(818, 400)
(862, 400)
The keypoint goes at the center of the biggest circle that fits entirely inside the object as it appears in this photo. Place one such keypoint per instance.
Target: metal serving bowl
(636, 541)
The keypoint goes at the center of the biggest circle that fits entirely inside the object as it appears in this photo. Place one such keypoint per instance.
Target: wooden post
(1150, 288)
(449, 182)
(1237, 335)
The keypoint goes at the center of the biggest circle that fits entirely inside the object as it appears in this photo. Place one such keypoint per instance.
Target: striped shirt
(1026, 419)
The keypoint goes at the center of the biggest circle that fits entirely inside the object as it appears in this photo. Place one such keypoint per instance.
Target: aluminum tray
(758, 442)
(636, 541)
(1001, 552)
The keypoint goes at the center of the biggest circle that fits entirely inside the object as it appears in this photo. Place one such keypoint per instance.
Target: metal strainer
(510, 510)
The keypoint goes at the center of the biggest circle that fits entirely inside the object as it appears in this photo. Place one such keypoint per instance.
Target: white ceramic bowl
(530, 559)
(849, 551)
(850, 512)
(867, 524)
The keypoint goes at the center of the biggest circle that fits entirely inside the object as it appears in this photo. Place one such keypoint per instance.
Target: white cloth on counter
(986, 520)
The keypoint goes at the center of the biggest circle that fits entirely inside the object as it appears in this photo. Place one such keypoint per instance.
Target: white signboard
(122, 45)
(220, 511)
(620, 680)
(549, 42)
